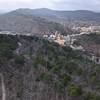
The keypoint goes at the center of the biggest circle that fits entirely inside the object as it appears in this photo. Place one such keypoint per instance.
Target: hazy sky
(7, 5)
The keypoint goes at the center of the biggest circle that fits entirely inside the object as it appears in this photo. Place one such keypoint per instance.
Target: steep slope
(19, 22)
(35, 69)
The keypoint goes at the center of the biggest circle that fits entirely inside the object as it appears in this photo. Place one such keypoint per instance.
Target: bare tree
(3, 87)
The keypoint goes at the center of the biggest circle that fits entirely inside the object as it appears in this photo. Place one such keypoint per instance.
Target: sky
(7, 5)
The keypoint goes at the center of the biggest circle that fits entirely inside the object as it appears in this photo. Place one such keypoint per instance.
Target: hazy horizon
(66, 5)
(3, 12)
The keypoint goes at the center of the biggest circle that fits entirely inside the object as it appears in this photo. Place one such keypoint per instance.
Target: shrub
(91, 96)
(40, 60)
(71, 67)
(62, 83)
(45, 77)
(59, 86)
(7, 45)
(20, 60)
(56, 69)
(74, 90)
(65, 79)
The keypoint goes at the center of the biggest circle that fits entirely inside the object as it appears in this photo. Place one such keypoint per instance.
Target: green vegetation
(7, 45)
(20, 60)
(61, 84)
(90, 39)
(45, 77)
(91, 96)
(57, 61)
(74, 90)
(60, 67)
(94, 37)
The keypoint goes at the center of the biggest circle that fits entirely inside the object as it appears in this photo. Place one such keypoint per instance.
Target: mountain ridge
(78, 16)
(46, 20)
(26, 23)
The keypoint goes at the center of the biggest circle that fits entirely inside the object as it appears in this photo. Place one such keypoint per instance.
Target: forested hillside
(90, 42)
(35, 69)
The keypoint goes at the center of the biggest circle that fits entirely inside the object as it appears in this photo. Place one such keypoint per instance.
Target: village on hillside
(69, 40)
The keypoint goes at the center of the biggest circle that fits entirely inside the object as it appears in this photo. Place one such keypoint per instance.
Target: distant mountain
(37, 12)
(78, 16)
(25, 23)
(46, 20)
